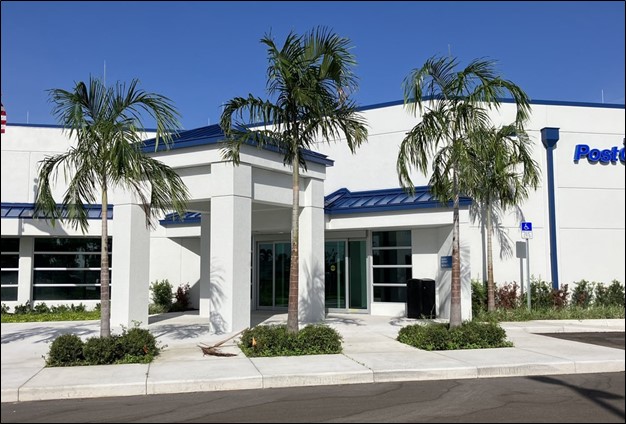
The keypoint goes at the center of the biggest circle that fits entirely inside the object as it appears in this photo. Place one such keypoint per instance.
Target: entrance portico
(235, 203)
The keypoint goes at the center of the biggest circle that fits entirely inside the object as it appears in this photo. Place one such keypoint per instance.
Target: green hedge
(470, 335)
(275, 340)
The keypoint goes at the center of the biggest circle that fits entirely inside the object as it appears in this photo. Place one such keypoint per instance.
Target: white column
(230, 247)
(311, 305)
(205, 265)
(466, 274)
(25, 273)
(130, 285)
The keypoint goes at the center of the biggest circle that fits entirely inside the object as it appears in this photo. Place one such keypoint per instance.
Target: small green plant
(162, 294)
(470, 335)
(275, 340)
(66, 350)
(5, 309)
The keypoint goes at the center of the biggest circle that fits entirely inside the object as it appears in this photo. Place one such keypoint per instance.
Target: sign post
(520, 252)
(527, 233)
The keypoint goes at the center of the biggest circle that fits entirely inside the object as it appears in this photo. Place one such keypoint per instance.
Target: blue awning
(26, 210)
(343, 201)
(175, 219)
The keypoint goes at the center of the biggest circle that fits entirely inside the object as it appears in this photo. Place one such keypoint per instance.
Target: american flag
(4, 118)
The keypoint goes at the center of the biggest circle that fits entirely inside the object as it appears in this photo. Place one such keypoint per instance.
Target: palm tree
(107, 123)
(458, 104)
(499, 173)
(310, 78)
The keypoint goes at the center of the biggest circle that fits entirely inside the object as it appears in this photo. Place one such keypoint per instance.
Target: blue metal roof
(343, 201)
(213, 134)
(25, 211)
(174, 219)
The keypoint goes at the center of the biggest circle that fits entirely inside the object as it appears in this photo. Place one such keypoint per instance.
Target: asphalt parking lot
(609, 339)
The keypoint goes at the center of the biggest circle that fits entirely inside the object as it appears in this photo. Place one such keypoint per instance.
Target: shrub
(426, 337)
(41, 308)
(319, 340)
(103, 350)
(156, 309)
(506, 296)
(182, 298)
(479, 297)
(65, 350)
(470, 335)
(582, 296)
(559, 296)
(275, 340)
(138, 342)
(5, 309)
(616, 294)
(612, 295)
(23, 309)
(540, 294)
(162, 294)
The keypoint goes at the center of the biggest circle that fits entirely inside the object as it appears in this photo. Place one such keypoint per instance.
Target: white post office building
(362, 237)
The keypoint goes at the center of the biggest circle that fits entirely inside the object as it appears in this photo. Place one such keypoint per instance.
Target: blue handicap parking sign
(527, 226)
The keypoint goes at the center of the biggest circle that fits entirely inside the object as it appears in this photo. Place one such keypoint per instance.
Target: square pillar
(230, 248)
(130, 267)
(25, 273)
(205, 265)
(311, 302)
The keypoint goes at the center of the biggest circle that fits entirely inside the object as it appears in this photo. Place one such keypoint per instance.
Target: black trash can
(420, 298)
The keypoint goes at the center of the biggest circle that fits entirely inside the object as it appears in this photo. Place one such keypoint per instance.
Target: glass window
(67, 268)
(392, 265)
(392, 275)
(389, 294)
(392, 257)
(10, 245)
(8, 293)
(75, 244)
(391, 238)
(9, 263)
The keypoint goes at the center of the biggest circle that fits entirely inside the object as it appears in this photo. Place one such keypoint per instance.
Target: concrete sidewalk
(371, 354)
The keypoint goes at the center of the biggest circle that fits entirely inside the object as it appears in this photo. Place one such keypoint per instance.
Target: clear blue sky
(201, 54)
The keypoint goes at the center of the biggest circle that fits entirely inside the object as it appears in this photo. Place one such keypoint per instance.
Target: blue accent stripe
(343, 201)
(503, 100)
(552, 219)
(26, 210)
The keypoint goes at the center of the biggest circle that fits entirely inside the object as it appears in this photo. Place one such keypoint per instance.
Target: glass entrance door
(345, 274)
(273, 261)
(335, 274)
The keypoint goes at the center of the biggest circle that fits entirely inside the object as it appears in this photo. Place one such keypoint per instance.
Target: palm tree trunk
(105, 297)
(455, 289)
(292, 309)
(491, 304)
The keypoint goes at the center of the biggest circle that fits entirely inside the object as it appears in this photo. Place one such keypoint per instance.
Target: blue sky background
(200, 54)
